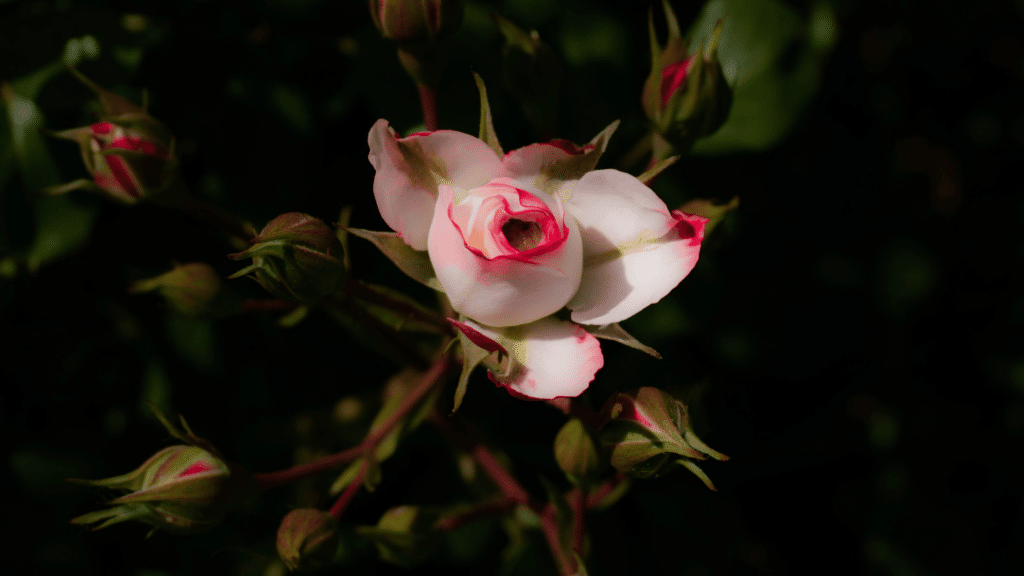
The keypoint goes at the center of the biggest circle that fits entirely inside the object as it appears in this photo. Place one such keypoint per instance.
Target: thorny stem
(350, 492)
(287, 476)
(428, 102)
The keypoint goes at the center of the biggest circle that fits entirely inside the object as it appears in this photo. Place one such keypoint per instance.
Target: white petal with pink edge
(409, 170)
(616, 286)
(501, 291)
(552, 358)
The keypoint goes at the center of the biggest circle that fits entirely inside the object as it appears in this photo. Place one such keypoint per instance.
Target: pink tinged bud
(193, 289)
(672, 78)
(416, 21)
(181, 489)
(307, 539)
(648, 432)
(578, 453)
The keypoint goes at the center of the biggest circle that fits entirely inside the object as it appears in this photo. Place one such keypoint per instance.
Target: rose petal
(502, 291)
(410, 169)
(635, 251)
(551, 358)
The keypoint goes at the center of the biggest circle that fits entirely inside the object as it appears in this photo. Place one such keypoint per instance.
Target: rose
(514, 238)
(126, 163)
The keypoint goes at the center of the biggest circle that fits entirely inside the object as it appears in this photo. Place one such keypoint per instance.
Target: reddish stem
(487, 509)
(597, 495)
(214, 216)
(428, 101)
(267, 305)
(350, 492)
(270, 480)
(550, 529)
(578, 502)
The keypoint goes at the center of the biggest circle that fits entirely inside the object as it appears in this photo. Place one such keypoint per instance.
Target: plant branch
(428, 102)
(361, 291)
(214, 216)
(429, 379)
(350, 492)
(486, 509)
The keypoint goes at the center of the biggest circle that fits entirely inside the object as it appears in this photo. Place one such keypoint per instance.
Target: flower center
(522, 235)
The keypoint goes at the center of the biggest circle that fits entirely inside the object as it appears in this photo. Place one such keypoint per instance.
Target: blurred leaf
(293, 107)
(194, 339)
(772, 68)
(61, 226)
(156, 390)
(41, 473)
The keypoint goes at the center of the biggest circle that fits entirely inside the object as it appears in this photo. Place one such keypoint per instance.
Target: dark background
(851, 336)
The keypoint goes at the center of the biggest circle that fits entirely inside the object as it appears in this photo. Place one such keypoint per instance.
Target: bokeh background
(851, 337)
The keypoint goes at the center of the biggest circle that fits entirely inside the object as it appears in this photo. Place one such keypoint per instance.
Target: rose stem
(486, 509)
(338, 508)
(214, 216)
(397, 341)
(270, 480)
(267, 305)
(578, 502)
(636, 153)
(507, 483)
(428, 101)
(358, 289)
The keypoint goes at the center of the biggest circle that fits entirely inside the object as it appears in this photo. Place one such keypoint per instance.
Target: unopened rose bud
(193, 289)
(307, 539)
(181, 489)
(129, 154)
(404, 535)
(577, 453)
(295, 257)
(686, 96)
(648, 432)
(416, 21)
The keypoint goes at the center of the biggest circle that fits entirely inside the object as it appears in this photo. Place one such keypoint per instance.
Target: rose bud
(416, 21)
(404, 535)
(686, 96)
(129, 154)
(295, 257)
(648, 432)
(307, 539)
(578, 453)
(181, 489)
(192, 289)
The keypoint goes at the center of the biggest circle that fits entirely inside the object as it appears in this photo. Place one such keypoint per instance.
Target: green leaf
(472, 356)
(413, 262)
(769, 64)
(62, 225)
(617, 333)
(487, 133)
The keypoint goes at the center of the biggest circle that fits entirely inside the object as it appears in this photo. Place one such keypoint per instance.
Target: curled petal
(409, 171)
(501, 291)
(635, 250)
(550, 358)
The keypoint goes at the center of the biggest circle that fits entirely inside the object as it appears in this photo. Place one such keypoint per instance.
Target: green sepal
(113, 104)
(578, 454)
(617, 333)
(658, 168)
(80, 184)
(413, 262)
(472, 356)
(614, 496)
(487, 133)
(715, 213)
(552, 176)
